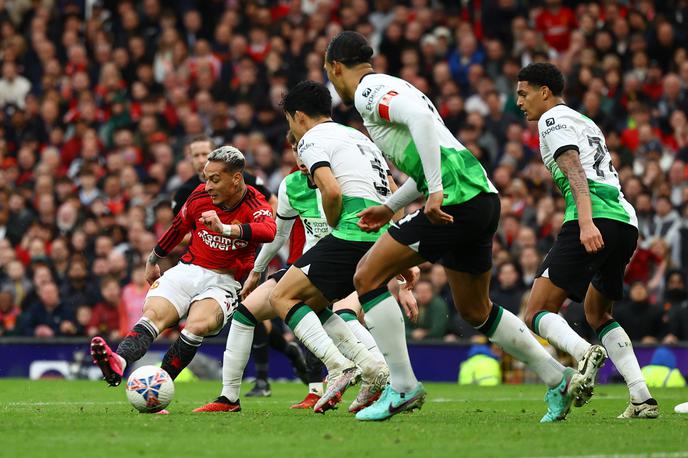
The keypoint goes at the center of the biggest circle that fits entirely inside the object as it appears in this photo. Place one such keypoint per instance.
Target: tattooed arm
(570, 165)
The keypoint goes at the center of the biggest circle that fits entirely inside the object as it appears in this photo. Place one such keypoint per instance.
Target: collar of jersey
(367, 74)
(227, 209)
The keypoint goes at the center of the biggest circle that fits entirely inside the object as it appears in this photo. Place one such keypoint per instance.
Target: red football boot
(109, 362)
(221, 404)
(308, 403)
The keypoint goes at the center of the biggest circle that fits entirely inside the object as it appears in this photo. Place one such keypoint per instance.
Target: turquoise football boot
(392, 403)
(560, 397)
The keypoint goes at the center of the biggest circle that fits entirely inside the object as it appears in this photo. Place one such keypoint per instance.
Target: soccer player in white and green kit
(455, 228)
(596, 242)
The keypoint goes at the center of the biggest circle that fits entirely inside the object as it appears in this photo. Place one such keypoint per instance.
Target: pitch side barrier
(432, 361)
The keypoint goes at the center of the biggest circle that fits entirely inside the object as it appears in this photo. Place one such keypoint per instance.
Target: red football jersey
(216, 251)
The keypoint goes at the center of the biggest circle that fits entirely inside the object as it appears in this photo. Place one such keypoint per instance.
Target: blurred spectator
(105, 314)
(96, 113)
(133, 297)
(508, 291)
(676, 307)
(48, 317)
(9, 313)
(641, 320)
(432, 314)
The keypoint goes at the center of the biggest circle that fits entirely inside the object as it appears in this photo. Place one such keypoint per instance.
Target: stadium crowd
(98, 100)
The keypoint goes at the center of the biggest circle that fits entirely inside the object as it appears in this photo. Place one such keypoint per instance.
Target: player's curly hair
(543, 74)
(349, 48)
(309, 97)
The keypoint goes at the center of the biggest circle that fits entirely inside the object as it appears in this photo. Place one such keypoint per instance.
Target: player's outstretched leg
(620, 350)
(471, 296)
(375, 373)
(289, 299)
(385, 322)
(544, 302)
(132, 348)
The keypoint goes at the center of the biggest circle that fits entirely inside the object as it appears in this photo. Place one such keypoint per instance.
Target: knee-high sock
(554, 328)
(348, 344)
(237, 352)
(620, 351)
(261, 356)
(308, 329)
(361, 333)
(181, 353)
(315, 373)
(386, 324)
(509, 332)
(137, 342)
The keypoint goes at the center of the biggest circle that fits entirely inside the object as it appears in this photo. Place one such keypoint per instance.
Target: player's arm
(286, 215)
(331, 193)
(373, 218)
(569, 163)
(170, 239)
(420, 121)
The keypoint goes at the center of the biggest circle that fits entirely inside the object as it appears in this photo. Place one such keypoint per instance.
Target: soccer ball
(150, 389)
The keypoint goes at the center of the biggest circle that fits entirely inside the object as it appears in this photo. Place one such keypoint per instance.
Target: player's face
(335, 75)
(530, 99)
(199, 152)
(221, 186)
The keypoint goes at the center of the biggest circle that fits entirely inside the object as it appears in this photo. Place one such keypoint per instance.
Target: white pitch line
(626, 455)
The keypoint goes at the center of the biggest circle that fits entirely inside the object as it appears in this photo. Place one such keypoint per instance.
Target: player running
(227, 219)
(455, 228)
(298, 198)
(596, 242)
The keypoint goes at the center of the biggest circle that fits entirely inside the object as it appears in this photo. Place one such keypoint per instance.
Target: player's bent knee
(475, 316)
(202, 327)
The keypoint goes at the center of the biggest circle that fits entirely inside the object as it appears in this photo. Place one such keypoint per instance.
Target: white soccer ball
(150, 389)
(681, 408)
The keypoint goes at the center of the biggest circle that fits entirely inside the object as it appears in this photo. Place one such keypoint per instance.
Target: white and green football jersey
(298, 198)
(389, 106)
(358, 166)
(561, 129)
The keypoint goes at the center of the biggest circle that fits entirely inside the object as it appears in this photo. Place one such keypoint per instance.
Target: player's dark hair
(543, 74)
(308, 97)
(349, 48)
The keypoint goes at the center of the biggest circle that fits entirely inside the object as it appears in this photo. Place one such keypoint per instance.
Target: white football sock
(349, 346)
(512, 334)
(237, 352)
(310, 332)
(554, 328)
(386, 324)
(364, 336)
(316, 388)
(620, 351)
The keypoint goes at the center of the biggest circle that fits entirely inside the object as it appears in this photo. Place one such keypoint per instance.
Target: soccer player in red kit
(227, 220)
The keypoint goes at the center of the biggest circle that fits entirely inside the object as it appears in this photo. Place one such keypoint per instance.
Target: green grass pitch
(78, 419)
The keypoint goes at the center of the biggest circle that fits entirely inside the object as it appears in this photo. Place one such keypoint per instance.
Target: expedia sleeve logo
(549, 122)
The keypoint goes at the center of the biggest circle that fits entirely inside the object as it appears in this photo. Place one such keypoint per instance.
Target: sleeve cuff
(317, 165)
(562, 149)
(159, 252)
(286, 218)
(246, 232)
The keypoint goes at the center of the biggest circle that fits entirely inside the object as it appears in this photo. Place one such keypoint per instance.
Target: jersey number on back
(381, 185)
(600, 153)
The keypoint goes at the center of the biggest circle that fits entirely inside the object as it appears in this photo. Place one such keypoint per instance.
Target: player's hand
(434, 211)
(152, 272)
(591, 238)
(411, 277)
(211, 221)
(373, 218)
(250, 284)
(408, 302)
